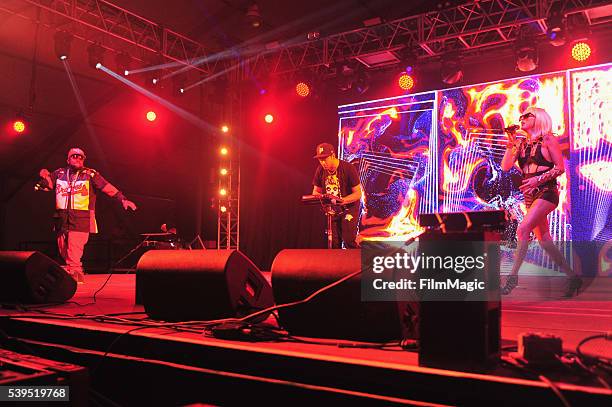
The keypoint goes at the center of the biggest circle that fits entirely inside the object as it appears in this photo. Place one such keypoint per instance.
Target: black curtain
(277, 169)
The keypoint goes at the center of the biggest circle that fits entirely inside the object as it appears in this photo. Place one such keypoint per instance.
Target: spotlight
(223, 171)
(269, 118)
(302, 89)
(223, 208)
(253, 16)
(98, 65)
(405, 81)
(555, 32)
(361, 82)
(95, 54)
(63, 40)
(345, 76)
(179, 81)
(224, 129)
(526, 57)
(451, 71)
(223, 192)
(19, 126)
(151, 116)
(581, 51)
(223, 151)
(123, 62)
(19, 123)
(154, 81)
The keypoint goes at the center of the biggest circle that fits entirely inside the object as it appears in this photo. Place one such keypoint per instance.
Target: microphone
(512, 128)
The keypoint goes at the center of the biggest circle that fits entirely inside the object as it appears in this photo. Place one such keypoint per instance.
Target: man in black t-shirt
(75, 188)
(341, 179)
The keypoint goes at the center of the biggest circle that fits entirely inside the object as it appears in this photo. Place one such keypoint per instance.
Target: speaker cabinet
(180, 285)
(33, 278)
(338, 312)
(463, 334)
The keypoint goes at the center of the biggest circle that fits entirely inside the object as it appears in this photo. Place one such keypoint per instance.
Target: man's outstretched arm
(110, 190)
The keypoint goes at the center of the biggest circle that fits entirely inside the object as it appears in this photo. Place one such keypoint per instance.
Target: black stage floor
(166, 367)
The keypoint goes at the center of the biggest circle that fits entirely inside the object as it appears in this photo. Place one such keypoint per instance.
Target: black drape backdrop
(277, 169)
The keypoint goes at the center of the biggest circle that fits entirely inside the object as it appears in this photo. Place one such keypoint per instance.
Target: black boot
(511, 283)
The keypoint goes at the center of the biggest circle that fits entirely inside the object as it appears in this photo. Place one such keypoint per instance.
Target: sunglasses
(525, 116)
(77, 157)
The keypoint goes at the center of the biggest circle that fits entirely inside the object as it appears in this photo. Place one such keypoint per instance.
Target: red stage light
(269, 118)
(405, 81)
(223, 209)
(19, 126)
(302, 89)
(581, 51)
(151, 115)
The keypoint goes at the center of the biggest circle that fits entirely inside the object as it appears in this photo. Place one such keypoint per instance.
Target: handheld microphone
(512, 128)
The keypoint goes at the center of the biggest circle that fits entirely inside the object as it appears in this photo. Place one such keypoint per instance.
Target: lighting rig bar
(470, 26)
(119, 23)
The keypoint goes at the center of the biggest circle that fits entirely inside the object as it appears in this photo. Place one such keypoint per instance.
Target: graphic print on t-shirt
(332, 185)
(79, 190)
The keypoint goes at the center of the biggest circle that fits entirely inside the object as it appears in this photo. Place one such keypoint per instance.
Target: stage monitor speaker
(463, 335)
(33, 278)
(182, 285)
(338, 312)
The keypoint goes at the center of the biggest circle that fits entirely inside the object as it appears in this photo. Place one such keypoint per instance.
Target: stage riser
(389, 379)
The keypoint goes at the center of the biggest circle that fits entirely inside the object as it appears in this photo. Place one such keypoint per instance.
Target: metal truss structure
(474, 25)
(228, 220)
(122, 28)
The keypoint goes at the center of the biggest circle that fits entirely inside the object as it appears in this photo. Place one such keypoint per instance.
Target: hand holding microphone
(43, 184)
(511, 132)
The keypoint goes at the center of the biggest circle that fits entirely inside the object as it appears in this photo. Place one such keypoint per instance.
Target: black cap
(324, 150)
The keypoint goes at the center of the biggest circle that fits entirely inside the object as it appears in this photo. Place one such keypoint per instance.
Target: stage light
(302, 89)
(361, 82)
(224, 129)
(405, 81)
(269, 118)
(581, 51)
(224, 151)
(151, 116)
(223, 208)
(63, 40)
(223, 171)
(154, 81)
(451, 71)
(123, 62)
(19, 126)
(253, 16)
(223, 192)
(95, 54)
(179, 82)
(556, 31)
(526, 57)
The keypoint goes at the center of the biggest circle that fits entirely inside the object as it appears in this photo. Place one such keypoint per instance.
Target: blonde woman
(541, 162)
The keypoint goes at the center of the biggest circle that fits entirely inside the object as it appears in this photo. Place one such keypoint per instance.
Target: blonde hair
(543, 122)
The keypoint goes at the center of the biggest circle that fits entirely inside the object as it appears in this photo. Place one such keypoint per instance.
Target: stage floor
(353, 372)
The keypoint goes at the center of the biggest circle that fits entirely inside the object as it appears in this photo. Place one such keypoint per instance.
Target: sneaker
(80, 278)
